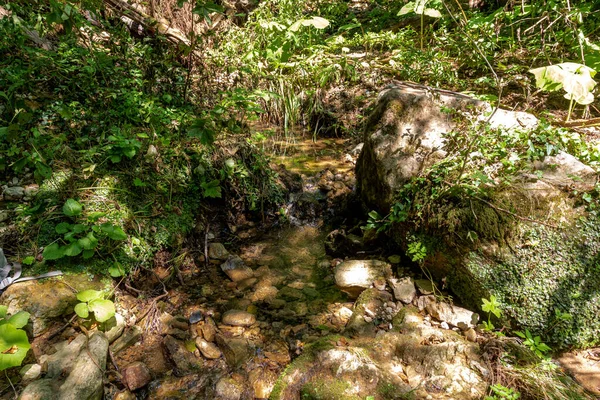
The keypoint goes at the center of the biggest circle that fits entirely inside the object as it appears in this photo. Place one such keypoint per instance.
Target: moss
(552, 271)
(327, 388)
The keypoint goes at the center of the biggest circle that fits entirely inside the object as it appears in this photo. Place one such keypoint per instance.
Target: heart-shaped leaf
(72, 208)
(103, 309)
(113, 232)
(72, 249)
(14, 346)
(89, 295)
(82, 310)
(53, 252)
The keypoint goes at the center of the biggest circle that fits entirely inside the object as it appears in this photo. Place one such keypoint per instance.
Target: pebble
(136, 375)
(238, 318)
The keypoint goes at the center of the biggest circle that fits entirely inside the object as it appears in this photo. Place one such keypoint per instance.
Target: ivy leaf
(72, 208)
(14, 346)
(82, 310)
(113, 232)
(95, 216)
(53, 252)
(103, 309)
(89, 295)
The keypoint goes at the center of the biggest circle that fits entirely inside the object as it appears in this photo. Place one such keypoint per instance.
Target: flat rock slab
(354, 276)
(47, 299)
(584, 366)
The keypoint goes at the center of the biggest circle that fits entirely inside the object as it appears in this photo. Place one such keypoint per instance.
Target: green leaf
(19, 319)
(72, 249)
(63, 227)
(89, 295)
(53, 252)
(82, 310)
(408, 8)
(3, 311)
(72, 208)
(430, 12)
(78, 228)
(14, 346)
(212, 189)
(89, 242)
(95, 216)
(87, 254)
(103, 309)
(116, 270)
(575, 79)
(113, 232)
(29, 260)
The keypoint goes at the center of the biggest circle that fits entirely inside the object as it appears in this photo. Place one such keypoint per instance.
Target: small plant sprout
(93, 301)
(576, 80)
(535, 344)
(491, 306)
(501, 392)
(419, 7)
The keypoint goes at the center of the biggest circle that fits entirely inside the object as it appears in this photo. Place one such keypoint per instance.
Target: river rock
(113, 328)
(453, 315)
(236, 350)
(85, 382)
(42, 389)
(404, 289)
(208, 350)
(14, 193)
(47, 300)
(262, 381)
(216, 251)
(30, 372)
(238, 318)
(228, 389)
(236, 269)
(564, 170)
(130, 336)
(180, 356)
(209, 329)
(61, 362)
(136, 375)
(535, 223)
(354, 276)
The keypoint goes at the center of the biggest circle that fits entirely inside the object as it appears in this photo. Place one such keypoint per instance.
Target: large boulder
(530, 238)
(415, 360)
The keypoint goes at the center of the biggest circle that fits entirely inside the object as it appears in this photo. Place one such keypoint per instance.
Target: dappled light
(299, 199)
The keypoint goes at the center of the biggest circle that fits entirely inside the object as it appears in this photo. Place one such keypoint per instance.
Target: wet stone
(217, 251)
(236, 269)
(209, 329)
(228, 389)
(180, 356)
(42, 389)
(290, 293)
(236, 350)
(262, 381)
(208, 350)
(238, 318)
